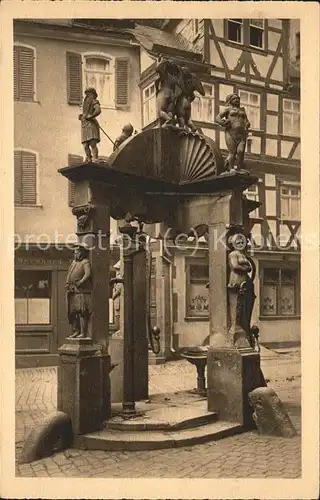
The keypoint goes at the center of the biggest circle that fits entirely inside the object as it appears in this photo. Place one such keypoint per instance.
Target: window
(291, 117)
(203, 107)
(197, 296)
(256, 32)
(24, 73)
(249, 32)
(253, 194)
(109, 76)
(99, 74)
(251, 103)
(290, 202)
(32, 297)
(235, 30)
(298, 46)
(279, 292)
(149, 104)
(25, 178)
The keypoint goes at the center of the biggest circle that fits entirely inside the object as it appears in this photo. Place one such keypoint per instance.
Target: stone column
(232, 370)
(83, 372)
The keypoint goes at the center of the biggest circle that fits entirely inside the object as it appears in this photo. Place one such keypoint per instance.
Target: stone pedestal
(232, 374)
(84, 385)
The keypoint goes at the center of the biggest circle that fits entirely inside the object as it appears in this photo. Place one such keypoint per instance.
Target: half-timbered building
(259, 60)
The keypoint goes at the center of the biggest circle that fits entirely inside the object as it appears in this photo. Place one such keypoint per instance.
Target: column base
(84, 385)
(231, 375)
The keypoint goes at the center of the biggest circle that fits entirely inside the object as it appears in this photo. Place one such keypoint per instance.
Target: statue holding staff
(90, 130)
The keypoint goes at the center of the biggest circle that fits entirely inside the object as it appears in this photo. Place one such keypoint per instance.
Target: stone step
(166, 418)
(112, 440)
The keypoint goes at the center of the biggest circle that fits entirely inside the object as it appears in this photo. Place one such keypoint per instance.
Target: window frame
(38, 326)
(201, 262)
(254, 196)
(247, 104)
(291, 112)
(143, 102)
(37, 183)
(297, 290)
(245, 34)
(201, 99)
(35, 92)
(289, 185)
(106, 57)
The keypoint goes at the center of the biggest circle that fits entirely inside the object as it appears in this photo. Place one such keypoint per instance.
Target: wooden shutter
(74, 78)
(23, 73)
(25, 178)
(73, 160)
(17, 178)
(122, 67)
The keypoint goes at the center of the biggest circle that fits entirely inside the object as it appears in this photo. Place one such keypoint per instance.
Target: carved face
(238, 241)
(235, 101)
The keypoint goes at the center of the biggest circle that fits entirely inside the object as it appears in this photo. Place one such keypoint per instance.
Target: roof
(153, 40)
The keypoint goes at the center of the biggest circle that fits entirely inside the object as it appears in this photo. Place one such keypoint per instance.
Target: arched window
(99, 73)
(24, 72)
(25, 178)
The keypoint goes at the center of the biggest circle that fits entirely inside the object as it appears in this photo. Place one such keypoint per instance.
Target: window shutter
(17, 178)
(74, 78)
(122, 68)
(73, 160)
(29, 178)
(23, 69)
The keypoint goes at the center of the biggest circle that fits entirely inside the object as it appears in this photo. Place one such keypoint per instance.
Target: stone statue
(188, 83)
(78, 293)
(127, 132)
(236, 124)
(90, 131)
(241, 291)
(166, 89)
(116, 294)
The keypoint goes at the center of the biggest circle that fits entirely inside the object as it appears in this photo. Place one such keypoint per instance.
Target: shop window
(251, 103)
(279, 292)
(197, 295)
(149, 104)
(290, 202)
(25, 178)
(24, 73)
(32, 297)
(203, 106)
(291, 117)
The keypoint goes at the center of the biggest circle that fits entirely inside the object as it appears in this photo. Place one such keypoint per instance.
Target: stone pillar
(232, 371)
(83, 372)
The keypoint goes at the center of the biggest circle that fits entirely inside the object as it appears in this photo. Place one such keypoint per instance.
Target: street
(244, 455)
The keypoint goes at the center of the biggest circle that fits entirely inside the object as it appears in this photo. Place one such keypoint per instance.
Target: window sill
(27, 101)
(277, 318)
(33, 328)
(28, 206)
(196, 318)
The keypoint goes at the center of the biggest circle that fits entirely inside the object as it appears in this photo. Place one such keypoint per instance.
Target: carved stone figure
(116, 294)
(78, 293)
(241, 291)
(236, 124)
(188, 83)
(127, 132)
(167, 89)
(90, 131)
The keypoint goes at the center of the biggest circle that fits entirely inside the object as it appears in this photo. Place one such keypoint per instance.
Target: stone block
(231, 375)
(84, 385)
(269, 413)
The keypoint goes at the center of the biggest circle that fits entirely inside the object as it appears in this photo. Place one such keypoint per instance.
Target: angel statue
(166, 90)
(188, 83)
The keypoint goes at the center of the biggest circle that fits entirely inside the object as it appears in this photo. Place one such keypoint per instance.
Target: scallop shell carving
(197, 161)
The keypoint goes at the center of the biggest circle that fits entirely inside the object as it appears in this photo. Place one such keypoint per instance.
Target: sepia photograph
(158, 242)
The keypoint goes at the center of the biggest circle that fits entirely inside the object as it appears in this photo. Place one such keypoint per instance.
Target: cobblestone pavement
(244, 455)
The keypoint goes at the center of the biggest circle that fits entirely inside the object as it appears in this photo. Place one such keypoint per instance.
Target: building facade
(259, 59)
(53, 62)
